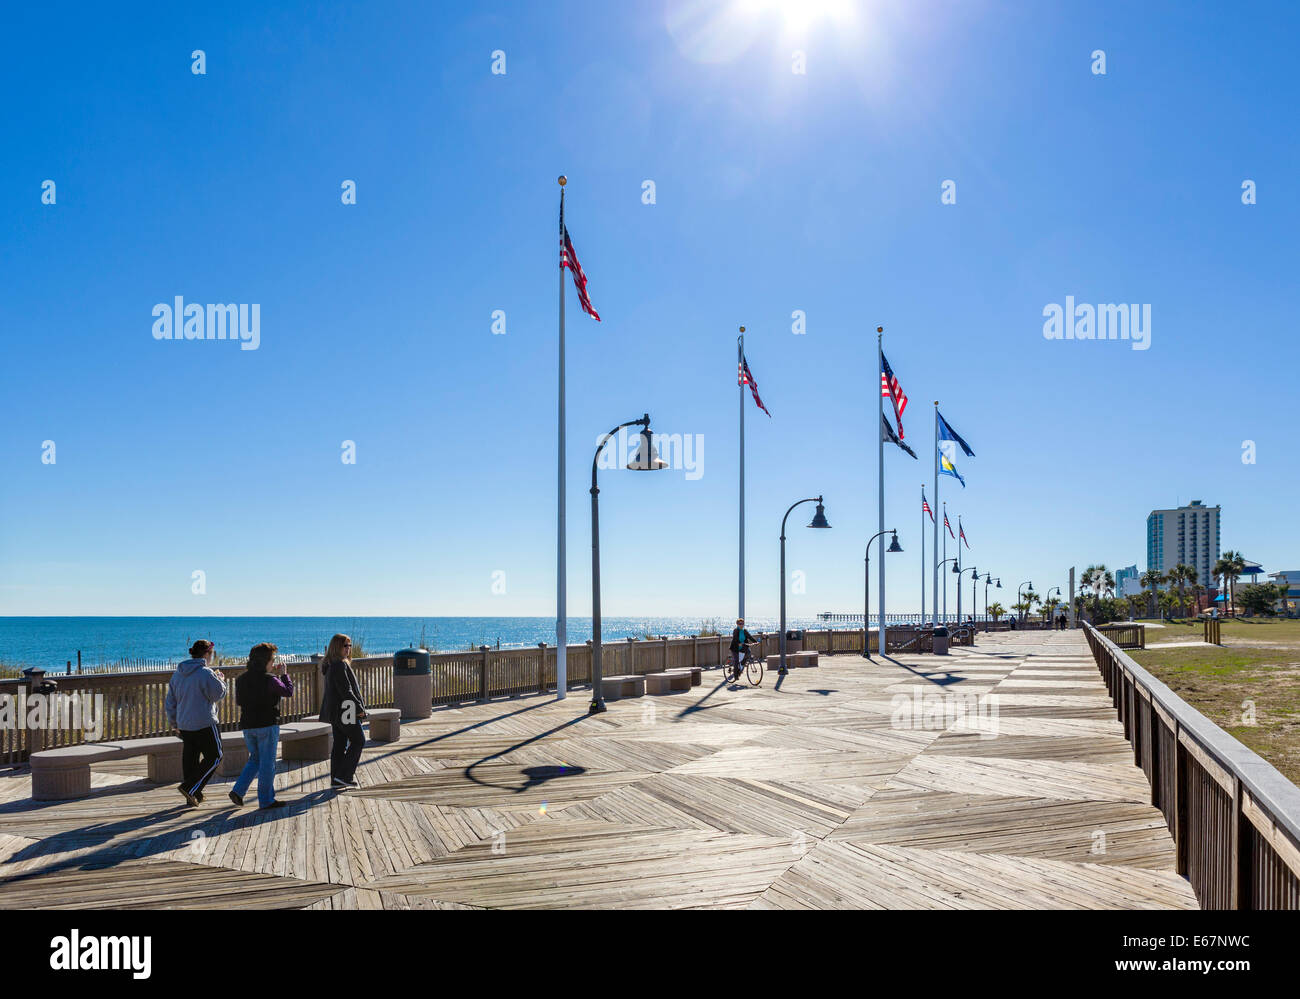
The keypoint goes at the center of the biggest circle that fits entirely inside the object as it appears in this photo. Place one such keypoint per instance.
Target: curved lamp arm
(643, 422)
(813, 499)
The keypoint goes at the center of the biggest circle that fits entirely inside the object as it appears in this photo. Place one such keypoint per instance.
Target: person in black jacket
(258, 693)
(343, 708)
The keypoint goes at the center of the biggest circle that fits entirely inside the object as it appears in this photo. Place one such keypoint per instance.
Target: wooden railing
(131, 705)
(1235, 820)
(1126, 636)
(133, 702)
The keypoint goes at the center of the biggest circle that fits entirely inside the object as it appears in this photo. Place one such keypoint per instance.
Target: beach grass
(1249, 686)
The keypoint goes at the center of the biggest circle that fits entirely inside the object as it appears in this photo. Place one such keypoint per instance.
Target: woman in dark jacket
(258, 693)
(343, 708)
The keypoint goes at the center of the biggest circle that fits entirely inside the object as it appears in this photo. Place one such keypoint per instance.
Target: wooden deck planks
(819, 793)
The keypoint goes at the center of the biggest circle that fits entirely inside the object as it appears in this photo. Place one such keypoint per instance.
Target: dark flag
(891, 388)
(747, 378)
(569, 259)
(889, 437)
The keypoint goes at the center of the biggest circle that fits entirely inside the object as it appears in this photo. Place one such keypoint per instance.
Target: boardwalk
(818, 794)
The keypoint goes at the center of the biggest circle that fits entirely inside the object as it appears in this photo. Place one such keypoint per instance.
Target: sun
(800, 15)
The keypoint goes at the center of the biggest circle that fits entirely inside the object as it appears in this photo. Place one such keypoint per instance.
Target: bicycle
(753, 668)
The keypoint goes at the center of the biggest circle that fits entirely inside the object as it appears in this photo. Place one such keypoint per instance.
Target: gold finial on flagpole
(742, 329)
(563, 180)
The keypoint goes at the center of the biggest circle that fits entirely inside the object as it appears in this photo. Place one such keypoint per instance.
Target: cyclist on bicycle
(740, 638)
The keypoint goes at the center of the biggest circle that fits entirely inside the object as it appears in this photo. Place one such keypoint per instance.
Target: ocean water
(51, 642)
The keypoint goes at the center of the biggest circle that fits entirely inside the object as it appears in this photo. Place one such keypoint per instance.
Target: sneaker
(339, 784)
(199, 797)
(236, 799)
(274, 804)
(189, 798)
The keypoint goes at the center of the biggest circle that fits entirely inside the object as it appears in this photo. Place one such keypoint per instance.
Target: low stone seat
(696, 672)
(667, 683)
(385, 724)
(60, 774)
(613, 688)
(793, 660)
(306, 740)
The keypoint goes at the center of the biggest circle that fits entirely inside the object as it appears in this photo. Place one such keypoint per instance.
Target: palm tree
(1152, 579)
(1230, 565)
(1136, 601)
(996, 610)
(1182, 574)
(1197, 592)
(1099, 581)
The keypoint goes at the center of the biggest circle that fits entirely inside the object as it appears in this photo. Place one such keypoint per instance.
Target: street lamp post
(938, 574)
(866, 591)
(988, 578)
(1052, 623)
(646, 460)
(819, 520)
(974, 576)
(1022, 612)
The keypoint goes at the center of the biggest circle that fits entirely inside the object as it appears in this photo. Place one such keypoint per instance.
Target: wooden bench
(697, 673)
(60, 774)
(613, 688)
(667, 683)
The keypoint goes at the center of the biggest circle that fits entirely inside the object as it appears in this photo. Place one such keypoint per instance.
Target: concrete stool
(613, 688)
(385, 724)
(696, 672)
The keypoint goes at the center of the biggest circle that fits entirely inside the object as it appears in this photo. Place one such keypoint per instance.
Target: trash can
(793, 640)
(940, 641)
(412, 683)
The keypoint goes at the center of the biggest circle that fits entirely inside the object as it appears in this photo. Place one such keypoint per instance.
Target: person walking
(258, 692)
(343, 707)
(191, 705)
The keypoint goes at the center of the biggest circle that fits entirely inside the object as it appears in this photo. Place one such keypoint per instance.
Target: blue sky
(775, 191)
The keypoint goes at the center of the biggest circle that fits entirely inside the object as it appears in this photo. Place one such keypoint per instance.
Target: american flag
(961, 531)
(948, 525)
(925, 507)
(892, 390)
(746, 377)
(569, 259)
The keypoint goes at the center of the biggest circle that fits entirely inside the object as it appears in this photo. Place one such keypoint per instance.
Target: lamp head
(955, 569)
(647, 455)
(819, 518)
(894, 546)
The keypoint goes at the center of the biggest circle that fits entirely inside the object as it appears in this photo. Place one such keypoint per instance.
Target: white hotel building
(1188, 535)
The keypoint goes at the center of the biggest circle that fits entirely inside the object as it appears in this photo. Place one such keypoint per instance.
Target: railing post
(1181, 776)
(541, 668)
(665, 641)
(483, 673)
(1240, 851)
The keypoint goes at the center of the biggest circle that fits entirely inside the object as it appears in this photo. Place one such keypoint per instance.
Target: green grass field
(1258, 665)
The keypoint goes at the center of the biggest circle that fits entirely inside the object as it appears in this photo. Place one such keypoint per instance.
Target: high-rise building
(1187, 535)
(1127, 581)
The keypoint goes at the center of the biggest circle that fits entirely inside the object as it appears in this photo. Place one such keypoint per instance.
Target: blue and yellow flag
(948, 442)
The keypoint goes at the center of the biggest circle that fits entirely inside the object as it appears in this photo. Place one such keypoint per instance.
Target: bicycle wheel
(754, 671)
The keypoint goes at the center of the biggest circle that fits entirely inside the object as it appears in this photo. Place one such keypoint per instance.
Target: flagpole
(934, 593)
(880, 456)
(921, 623)
(946, 529)
(740, 360)
(561, 568)
(959, 534)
